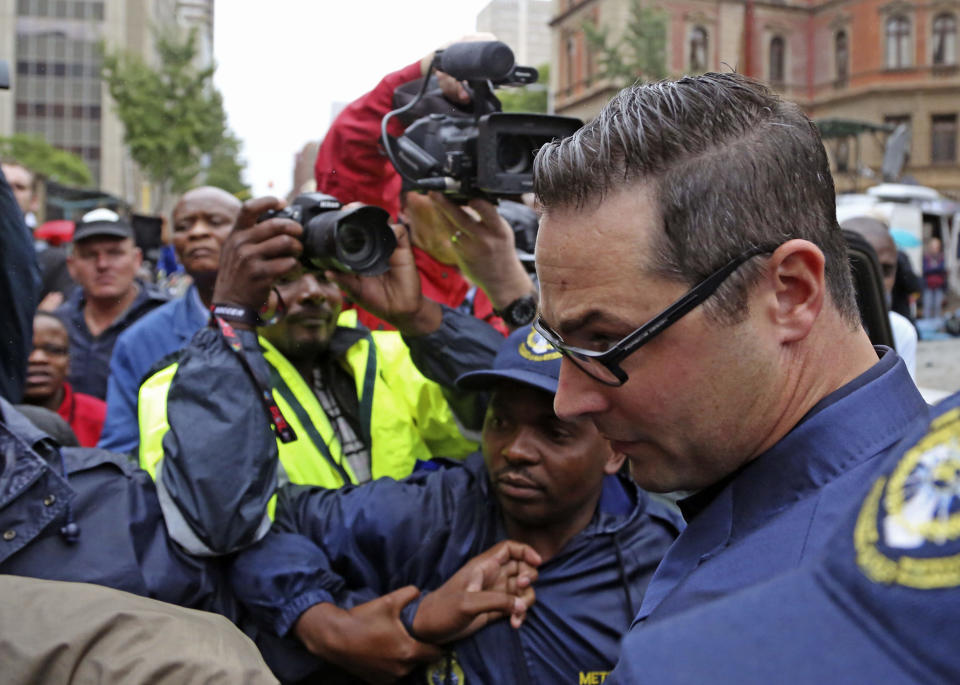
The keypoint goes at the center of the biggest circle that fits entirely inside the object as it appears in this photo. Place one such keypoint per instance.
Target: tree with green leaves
(640, 53)
(531, 98)
(35, 153)
(173, 117)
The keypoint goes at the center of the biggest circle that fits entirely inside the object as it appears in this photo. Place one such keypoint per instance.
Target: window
(571, 52)
(944, 40)
(943, 138)
(698, 49)
(898, 42)
(777, 60)
(841, 56)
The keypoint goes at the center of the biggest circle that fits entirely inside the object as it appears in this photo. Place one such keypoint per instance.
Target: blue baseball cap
(882, 604)
(525, 357)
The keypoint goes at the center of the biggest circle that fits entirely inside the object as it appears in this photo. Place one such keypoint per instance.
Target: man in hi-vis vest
(347, 405)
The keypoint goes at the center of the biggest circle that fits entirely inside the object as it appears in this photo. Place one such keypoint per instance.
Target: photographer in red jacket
(465, 257)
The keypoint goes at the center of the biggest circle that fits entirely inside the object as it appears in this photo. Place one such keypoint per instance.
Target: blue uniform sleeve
(462, 343)
(20, 288)
(348, 546)
(121, 432)
(220, 462)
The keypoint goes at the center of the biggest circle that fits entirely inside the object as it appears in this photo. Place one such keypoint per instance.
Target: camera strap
(283, 430)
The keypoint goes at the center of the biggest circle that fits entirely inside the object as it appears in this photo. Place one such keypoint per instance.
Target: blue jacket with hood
(351, 545)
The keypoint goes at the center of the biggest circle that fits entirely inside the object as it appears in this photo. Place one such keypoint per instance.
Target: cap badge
(536, 348)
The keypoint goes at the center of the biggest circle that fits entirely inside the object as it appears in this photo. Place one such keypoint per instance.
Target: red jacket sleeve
(350, 164)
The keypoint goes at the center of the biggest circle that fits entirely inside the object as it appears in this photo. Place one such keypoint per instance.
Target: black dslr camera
(487, 153)
(357, 240)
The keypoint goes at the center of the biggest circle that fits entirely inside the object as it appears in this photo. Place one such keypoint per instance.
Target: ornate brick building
(878, 61)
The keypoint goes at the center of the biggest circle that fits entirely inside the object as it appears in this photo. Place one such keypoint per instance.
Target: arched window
(777, 59)
(699, 43)
(898, 42)
(944, 39)
(842, 56)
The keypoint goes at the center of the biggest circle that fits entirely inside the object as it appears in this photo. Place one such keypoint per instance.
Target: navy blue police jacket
(351, 545)
(779, 509)
(88, 515)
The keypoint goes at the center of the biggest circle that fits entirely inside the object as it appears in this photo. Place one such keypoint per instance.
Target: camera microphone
(479, 61)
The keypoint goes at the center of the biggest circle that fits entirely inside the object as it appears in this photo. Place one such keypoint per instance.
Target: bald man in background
(202, 219)
(877, 234)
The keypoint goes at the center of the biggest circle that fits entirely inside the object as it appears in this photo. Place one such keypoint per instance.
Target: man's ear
(798, 288)
(614, 462)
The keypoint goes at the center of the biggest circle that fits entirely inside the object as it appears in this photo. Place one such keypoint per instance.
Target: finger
(460, 220)
(489, 216)
(425, 652)
(283, 245)
(267, 229)
(252, 209)
(487, 601)
(521, 552)
(403, 596)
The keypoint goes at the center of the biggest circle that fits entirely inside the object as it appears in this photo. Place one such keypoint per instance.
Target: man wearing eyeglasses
(694, 277)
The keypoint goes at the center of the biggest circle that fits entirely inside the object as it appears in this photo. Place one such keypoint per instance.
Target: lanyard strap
(283, 430)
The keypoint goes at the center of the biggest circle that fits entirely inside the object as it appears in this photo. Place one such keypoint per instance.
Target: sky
(282, 64)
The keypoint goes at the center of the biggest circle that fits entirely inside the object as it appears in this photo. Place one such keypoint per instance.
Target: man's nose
(577, 393)
(199, 229)
(522, 447)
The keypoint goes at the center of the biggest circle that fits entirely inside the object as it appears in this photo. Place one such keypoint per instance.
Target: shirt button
(49, 499)
(9, 535)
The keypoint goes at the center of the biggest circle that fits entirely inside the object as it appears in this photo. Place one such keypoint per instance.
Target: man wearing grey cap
(104, 262)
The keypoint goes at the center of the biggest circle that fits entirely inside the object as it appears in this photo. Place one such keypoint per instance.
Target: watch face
(522, 311)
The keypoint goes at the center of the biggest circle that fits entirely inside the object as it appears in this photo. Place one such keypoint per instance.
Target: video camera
(488, 153)
(357, 240)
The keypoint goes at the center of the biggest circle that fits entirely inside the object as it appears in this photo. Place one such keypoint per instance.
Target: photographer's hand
(485, 250)
(394, 296)
(255, 254)
(452, 89)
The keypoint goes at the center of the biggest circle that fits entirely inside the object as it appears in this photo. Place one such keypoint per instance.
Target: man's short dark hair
(732, 166)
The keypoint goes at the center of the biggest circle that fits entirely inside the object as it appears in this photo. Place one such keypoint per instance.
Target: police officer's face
(689, 412)
(543, 469)
(313, 305)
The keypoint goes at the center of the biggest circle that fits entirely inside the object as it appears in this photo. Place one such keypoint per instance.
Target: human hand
(491, 586)
(369, 641)
(455, 91)
(395, 295)
(483, 244)
(255, 254)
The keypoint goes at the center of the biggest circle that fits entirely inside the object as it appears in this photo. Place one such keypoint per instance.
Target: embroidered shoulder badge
(446, 671)
(908, 529)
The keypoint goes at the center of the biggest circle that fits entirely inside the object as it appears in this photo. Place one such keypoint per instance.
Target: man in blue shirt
(202, 220)
(337, 568)
(769, 400)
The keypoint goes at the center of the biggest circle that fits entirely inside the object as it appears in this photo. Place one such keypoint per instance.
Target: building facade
(56, 90)
(524, 25)
(877, 61)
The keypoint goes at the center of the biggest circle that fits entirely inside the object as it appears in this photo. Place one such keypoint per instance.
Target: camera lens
(353, 240)
(514, 154)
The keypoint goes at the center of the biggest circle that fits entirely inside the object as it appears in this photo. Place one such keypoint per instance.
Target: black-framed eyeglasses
(604, 366)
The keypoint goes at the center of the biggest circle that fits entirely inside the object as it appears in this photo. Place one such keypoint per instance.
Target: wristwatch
(520, 312)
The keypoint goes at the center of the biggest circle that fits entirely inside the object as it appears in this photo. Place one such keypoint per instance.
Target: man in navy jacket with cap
(548, 485)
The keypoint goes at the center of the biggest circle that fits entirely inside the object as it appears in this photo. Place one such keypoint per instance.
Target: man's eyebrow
(593, 316)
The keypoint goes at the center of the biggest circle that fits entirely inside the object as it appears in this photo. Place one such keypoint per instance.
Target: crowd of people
(457, 471)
